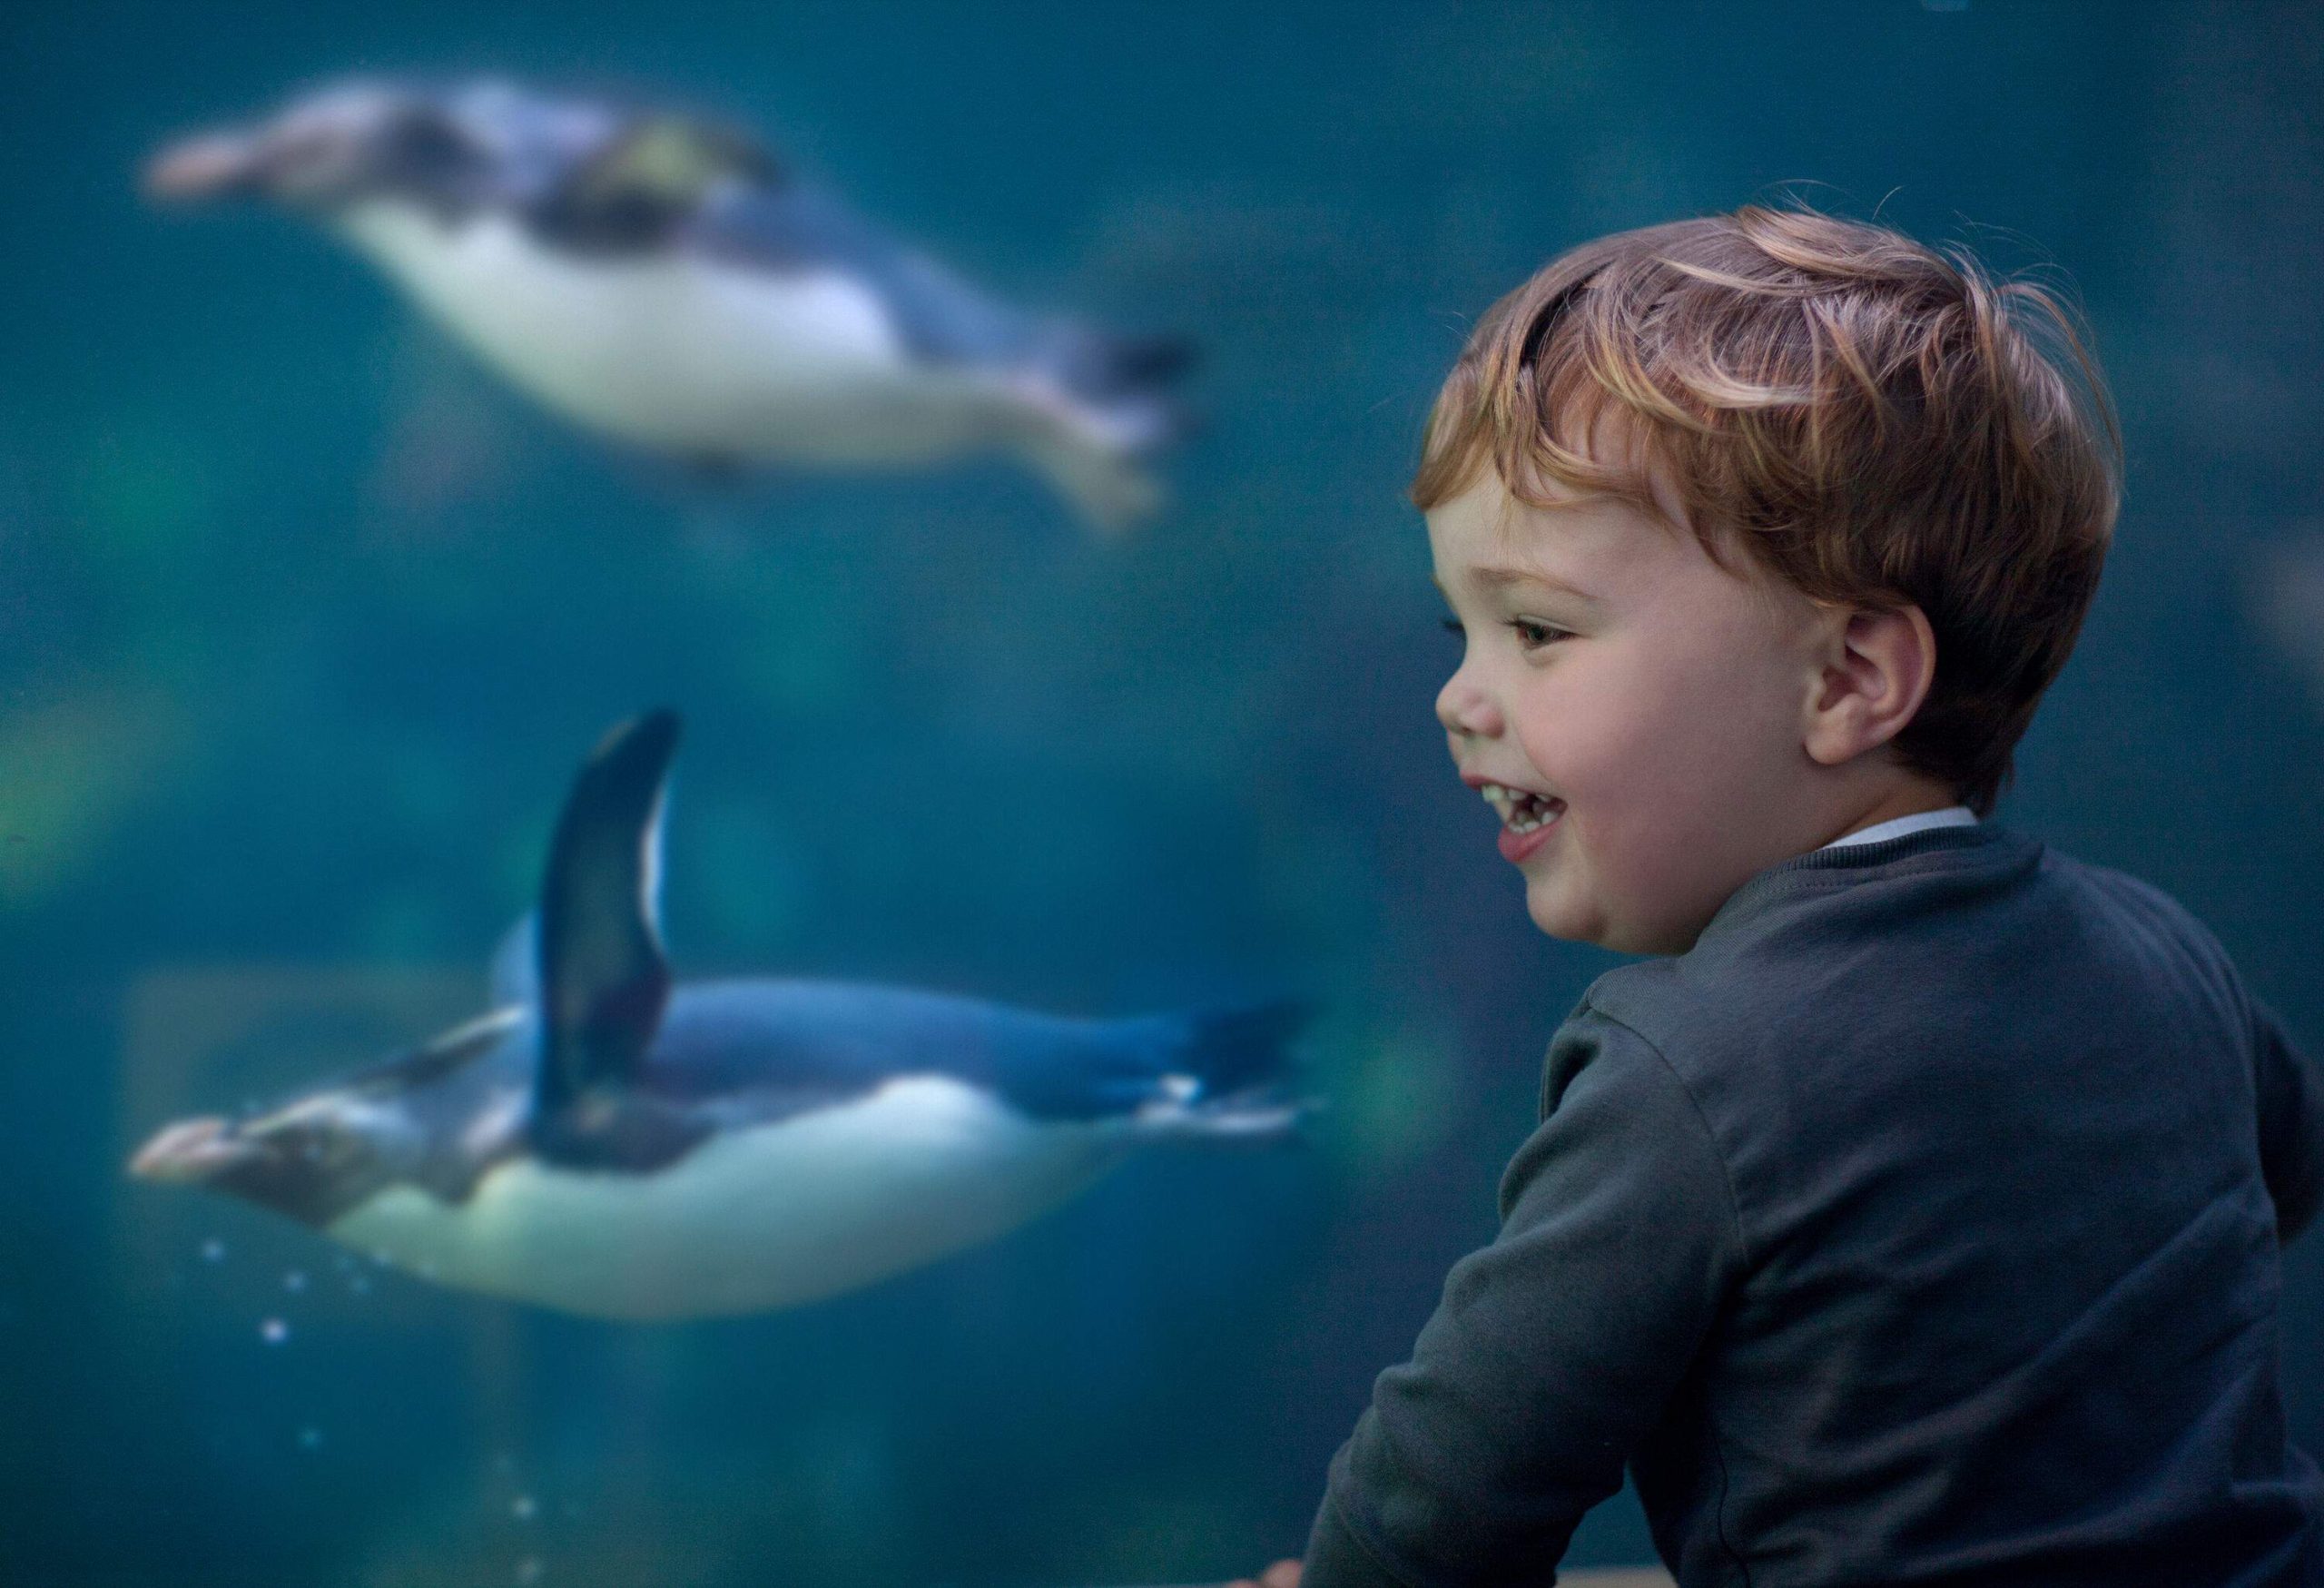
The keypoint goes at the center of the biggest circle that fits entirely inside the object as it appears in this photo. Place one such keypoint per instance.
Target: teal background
(304, 622)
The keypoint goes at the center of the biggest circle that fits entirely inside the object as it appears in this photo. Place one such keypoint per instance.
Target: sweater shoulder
(1839, 989)
(2164, 944)
(1814, 935)
(2139, 901)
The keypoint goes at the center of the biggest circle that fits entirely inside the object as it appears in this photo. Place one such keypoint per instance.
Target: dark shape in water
(611, 1144)
(665, 282)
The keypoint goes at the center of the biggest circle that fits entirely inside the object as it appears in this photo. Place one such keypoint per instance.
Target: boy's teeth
(1521, 811)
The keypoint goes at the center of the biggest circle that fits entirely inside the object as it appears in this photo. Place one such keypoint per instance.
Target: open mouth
(1521, 811)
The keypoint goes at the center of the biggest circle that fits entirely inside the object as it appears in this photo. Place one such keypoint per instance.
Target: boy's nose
(1465, 710)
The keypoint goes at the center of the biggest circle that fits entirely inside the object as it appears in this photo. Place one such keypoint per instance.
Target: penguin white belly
(682, 352)
(763, 1216)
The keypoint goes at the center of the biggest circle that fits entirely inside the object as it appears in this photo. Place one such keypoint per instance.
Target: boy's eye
(1532, 633)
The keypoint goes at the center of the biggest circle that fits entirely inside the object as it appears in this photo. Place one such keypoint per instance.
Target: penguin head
(589, 174)
(311, 1158)
(438, 1115)
(448, 150)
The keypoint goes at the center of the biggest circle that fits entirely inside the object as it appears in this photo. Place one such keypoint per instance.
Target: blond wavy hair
(1873, 423)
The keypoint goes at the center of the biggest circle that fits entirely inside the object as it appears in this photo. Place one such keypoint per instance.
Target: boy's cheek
(1583, 760)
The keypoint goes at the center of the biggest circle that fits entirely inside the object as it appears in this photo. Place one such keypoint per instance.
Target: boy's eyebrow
(1499, 579)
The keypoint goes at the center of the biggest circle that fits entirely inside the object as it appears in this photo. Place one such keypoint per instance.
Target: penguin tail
(1242, 1062)
(1236, 1050)
(1116, 367)
(1110, 489)
(1110, 404)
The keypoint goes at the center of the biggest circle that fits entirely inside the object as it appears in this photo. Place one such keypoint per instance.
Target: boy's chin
(1559, 915)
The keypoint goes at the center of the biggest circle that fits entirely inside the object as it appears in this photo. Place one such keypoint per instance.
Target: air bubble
(273, 1331)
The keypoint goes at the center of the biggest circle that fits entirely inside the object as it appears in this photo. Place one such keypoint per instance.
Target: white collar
(1919, 822)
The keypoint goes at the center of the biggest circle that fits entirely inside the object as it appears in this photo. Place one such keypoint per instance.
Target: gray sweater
(1919, 1225)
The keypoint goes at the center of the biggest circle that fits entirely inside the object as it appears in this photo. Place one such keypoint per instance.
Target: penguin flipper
(514, 976)
(603, 978)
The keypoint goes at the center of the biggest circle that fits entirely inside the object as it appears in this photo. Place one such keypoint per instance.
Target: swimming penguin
(666, 281)
(607, 1142)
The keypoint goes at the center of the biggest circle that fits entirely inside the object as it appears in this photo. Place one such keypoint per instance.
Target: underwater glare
(1086, 1016)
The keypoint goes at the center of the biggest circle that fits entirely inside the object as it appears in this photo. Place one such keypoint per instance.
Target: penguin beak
(209, 165)
(191, 1152)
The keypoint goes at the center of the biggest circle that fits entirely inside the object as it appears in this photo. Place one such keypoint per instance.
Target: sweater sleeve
(2291, 1124)
(1555, 1350)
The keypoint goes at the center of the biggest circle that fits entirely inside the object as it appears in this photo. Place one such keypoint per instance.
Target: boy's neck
(1905, 827)
(1909, 796)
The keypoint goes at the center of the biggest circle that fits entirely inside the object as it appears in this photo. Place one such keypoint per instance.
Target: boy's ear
(1877, 666)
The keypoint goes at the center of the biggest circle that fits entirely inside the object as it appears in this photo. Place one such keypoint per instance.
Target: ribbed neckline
(1849, 862)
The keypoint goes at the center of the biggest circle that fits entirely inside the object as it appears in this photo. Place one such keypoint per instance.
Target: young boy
(1916, 1218)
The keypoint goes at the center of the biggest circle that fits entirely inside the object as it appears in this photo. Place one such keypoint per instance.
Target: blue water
(304, 623)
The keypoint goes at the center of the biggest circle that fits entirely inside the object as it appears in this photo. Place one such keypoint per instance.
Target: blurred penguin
(668, 283)
(614, 1142)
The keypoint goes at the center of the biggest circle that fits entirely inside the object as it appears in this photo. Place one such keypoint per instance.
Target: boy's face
(1634, 710)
